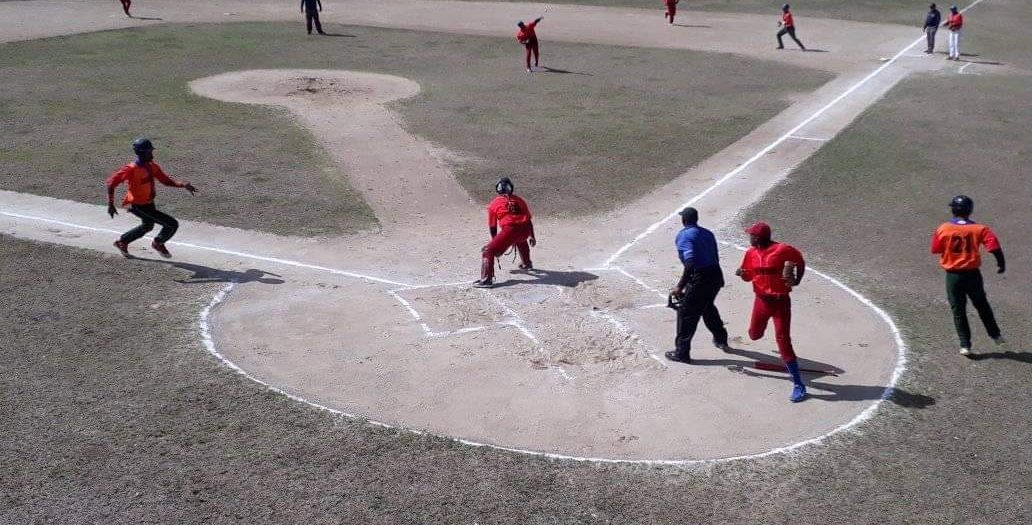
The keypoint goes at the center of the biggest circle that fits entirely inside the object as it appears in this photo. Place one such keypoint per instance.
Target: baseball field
(313, 350)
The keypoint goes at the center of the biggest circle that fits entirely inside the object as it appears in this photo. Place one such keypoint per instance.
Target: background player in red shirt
(139, 176)
(957, 243)
(671, 9)
(527, 36)
(955, 23)
(513, 215)
(787, 25)
(774, 268)
(126, 4)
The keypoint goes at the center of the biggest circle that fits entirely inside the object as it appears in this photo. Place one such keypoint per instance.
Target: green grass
(576, 143)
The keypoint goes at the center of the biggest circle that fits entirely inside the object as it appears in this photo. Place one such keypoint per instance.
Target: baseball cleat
(965, 351)
(123, 248)
(722, 346)
(483, 283)
(798, 394)
(999, 340)
(680, 358)
(526, 267)
(160, 248)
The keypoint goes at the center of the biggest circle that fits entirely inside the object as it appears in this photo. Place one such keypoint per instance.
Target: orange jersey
(786, 20)
(957, 243)
(764, 267)
(955, 22)
(507, 211)
(140, 181)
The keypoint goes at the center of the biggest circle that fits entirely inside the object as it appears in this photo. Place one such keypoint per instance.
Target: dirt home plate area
(565, 360)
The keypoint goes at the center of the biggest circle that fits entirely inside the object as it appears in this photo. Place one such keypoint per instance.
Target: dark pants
(532, 48)
(697, 302)
(790, 31)
(150, 215)
(930, 35)
(959, 287)
(313, 16)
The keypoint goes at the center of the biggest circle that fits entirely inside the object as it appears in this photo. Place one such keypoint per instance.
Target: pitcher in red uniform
(671, 9)
(527, 35)
(139, 176)
(774, 268)
(511, 213)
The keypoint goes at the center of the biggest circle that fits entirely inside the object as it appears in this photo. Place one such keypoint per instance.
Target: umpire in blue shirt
(701, 281)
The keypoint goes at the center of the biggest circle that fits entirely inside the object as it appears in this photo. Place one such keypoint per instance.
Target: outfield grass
(624, 121)
(882, 11)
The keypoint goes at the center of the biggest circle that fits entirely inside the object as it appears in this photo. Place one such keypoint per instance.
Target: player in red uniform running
(671, 9)
(125, 7)
(527, 36)
(774, 268)
(139, 176)
(513, 215)
(957, 242)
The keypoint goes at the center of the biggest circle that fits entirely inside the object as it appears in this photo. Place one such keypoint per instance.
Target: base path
(562, 361)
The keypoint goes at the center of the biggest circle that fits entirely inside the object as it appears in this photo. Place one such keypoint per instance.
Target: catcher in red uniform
(511, 213)
(774, 268)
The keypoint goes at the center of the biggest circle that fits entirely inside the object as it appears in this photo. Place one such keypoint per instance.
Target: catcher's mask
(504, 186)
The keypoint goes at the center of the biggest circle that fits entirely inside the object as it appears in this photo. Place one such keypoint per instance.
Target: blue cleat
(798, 394)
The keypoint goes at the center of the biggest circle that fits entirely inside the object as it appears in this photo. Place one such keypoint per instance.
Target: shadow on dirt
(1023, 357)
(691, 25)
(549, 277)
(546, 69)
(205, 274)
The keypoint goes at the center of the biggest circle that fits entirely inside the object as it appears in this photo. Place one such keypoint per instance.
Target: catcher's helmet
(504, 186)
(142, 144)
(785, 7)
(962, 205)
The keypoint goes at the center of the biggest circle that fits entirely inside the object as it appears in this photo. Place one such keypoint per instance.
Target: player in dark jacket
(931, 26)
(311, 10)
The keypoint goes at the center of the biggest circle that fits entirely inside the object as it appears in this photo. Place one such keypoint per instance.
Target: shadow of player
(833, 392)
(549, 277)
(1021, 357)
(810, 367)
(206, 274)
(338, 35)
(146, 18)
(692, 25)
(546, 69)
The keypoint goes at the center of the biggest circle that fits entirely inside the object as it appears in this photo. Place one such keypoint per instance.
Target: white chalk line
(516, 321)
(814, 139)
(624, 329)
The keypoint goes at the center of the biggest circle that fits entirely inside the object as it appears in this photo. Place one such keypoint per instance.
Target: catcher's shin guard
(486, 266)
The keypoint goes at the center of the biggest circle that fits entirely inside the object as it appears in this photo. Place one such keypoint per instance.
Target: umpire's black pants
(313, 16)
(150, 215)
(697, 301)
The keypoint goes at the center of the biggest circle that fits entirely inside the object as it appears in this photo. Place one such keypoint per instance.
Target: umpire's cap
(689, 214)
(142, 144)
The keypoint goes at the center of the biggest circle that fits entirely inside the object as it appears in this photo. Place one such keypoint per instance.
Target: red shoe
(123, 247)
(160, 248)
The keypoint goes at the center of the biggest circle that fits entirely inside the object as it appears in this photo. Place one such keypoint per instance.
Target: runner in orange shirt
(774, 268)
(139, 176)
(787, 25)
(512, 214)
(957, 242)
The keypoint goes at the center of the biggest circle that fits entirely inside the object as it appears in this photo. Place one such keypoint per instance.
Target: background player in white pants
(955, 22)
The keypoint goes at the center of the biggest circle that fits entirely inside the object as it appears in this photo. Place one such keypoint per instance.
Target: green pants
(959, 287)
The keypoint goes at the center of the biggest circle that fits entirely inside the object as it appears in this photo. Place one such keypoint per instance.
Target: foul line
(731, 174)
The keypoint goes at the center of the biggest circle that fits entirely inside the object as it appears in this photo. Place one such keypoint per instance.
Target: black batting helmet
(504, 186)
(962, 205)
(142, 144)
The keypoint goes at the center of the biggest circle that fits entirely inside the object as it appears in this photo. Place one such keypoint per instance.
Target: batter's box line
(514, 321)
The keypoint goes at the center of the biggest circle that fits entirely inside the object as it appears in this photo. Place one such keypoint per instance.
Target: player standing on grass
(957, 243)
(701, 281)
(311, 10)
(139, 176)
(774, 268)
(787, 25)
(671, 9)
(955, 22)
(527, 36)
(512, 214)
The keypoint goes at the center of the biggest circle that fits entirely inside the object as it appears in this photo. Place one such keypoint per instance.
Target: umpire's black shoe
(680, 358)
(722, 346)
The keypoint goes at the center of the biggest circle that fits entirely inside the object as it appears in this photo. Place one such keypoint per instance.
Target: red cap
(760, 229)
